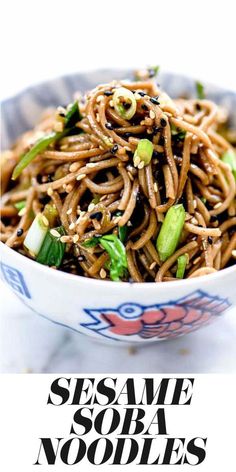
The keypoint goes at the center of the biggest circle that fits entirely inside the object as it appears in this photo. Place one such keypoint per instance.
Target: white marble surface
(29, 343)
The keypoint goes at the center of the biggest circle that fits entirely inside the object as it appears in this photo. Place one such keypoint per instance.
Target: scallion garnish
(170, 231)
(124, 103)
(52, 249)
(116, 250)
(122, 230)
(51, 214)
(229, 157)
(143, 153)
(200, 90)
(20, 205)
(181, 266)
(71, 118)
(36, 234)
(177, 133)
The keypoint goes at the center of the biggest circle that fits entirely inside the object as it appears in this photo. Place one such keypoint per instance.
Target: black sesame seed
(109, 126)
(144, 107)
(108, 93)
(96, 216)
(114, 149)
(163, 122)
(210, 240)
(198, 106)
(126, 105)
(154, 101)
(142, 94)
(62, 115)
(19, 232)
(49, 178)
(127, 135)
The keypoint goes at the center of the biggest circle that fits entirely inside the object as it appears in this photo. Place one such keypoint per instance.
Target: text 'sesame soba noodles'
(124, 184)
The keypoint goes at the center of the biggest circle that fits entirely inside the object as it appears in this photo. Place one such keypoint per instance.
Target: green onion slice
(52, 250)
(182, 262)
(71, 118)
(36, 234)
(229, 157)
(143, 152)
(170, 232)
(124, 103)
(20, 205)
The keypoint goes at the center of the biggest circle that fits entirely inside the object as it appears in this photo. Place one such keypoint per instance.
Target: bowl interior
(22, 111)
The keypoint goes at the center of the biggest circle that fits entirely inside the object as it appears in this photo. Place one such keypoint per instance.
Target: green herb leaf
(229, 157)
(182, 261)
(122, 230)
(52, 249)
(92, 242)
(170, 231)
(71, 118)
(200, 90)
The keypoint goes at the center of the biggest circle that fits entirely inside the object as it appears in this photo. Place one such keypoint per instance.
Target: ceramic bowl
(111, 311)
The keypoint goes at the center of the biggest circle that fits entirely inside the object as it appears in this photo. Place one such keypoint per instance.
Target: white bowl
(110, 311)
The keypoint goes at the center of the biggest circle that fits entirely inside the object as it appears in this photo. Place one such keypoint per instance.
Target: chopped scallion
(52, 250)
(229, 157)
(124, 103)
(200, 90)
(143, 152)
(36, 234)
(170, 231)
(181, 266)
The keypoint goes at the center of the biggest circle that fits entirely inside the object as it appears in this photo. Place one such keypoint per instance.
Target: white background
(25, 417)
(46, 38)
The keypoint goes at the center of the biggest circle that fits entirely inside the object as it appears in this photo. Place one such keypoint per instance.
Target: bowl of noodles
(118, 208)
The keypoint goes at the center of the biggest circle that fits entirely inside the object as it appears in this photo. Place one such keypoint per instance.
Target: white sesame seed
(65, 239)
(141, 165)
(137, 161)
(153, 264)
(50, 191)
(91, 207)
(137, 96)
(75, 238)
(55, 233)
(72, 226)
(129, 223)
(234, 253)
(155, 187)
(69, 211)
(80, 176)
(111, 103)
(102, 274)
(91, 164)
(217, 205)
(99, 98)
(152, 114)
(74, 167)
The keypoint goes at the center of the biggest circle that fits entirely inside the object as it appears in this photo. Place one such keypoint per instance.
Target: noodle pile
(97, 187)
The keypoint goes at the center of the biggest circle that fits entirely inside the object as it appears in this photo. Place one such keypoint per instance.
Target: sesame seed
(137, 96)
(163, 122)
(80, 176)
(50, 191)
(99, 98)
(152, 114)
(129, 223)
(65, 239)
(155, 187)
(69, 211)
(141, 165)
(81, 258)
(194, 204)
(210, 240)
(217, 205)
(102, 274)
(234, 253)
(91, 207)
(154, 101)
(72, 226)
(153, 264)
(137, 161)
(19, 232)
(144, 107)
(75, 238)
(111, 103)
(96, 216)
(114, 149)
(55, 233)
(109, 126)
(74, 167)
(108, 93)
